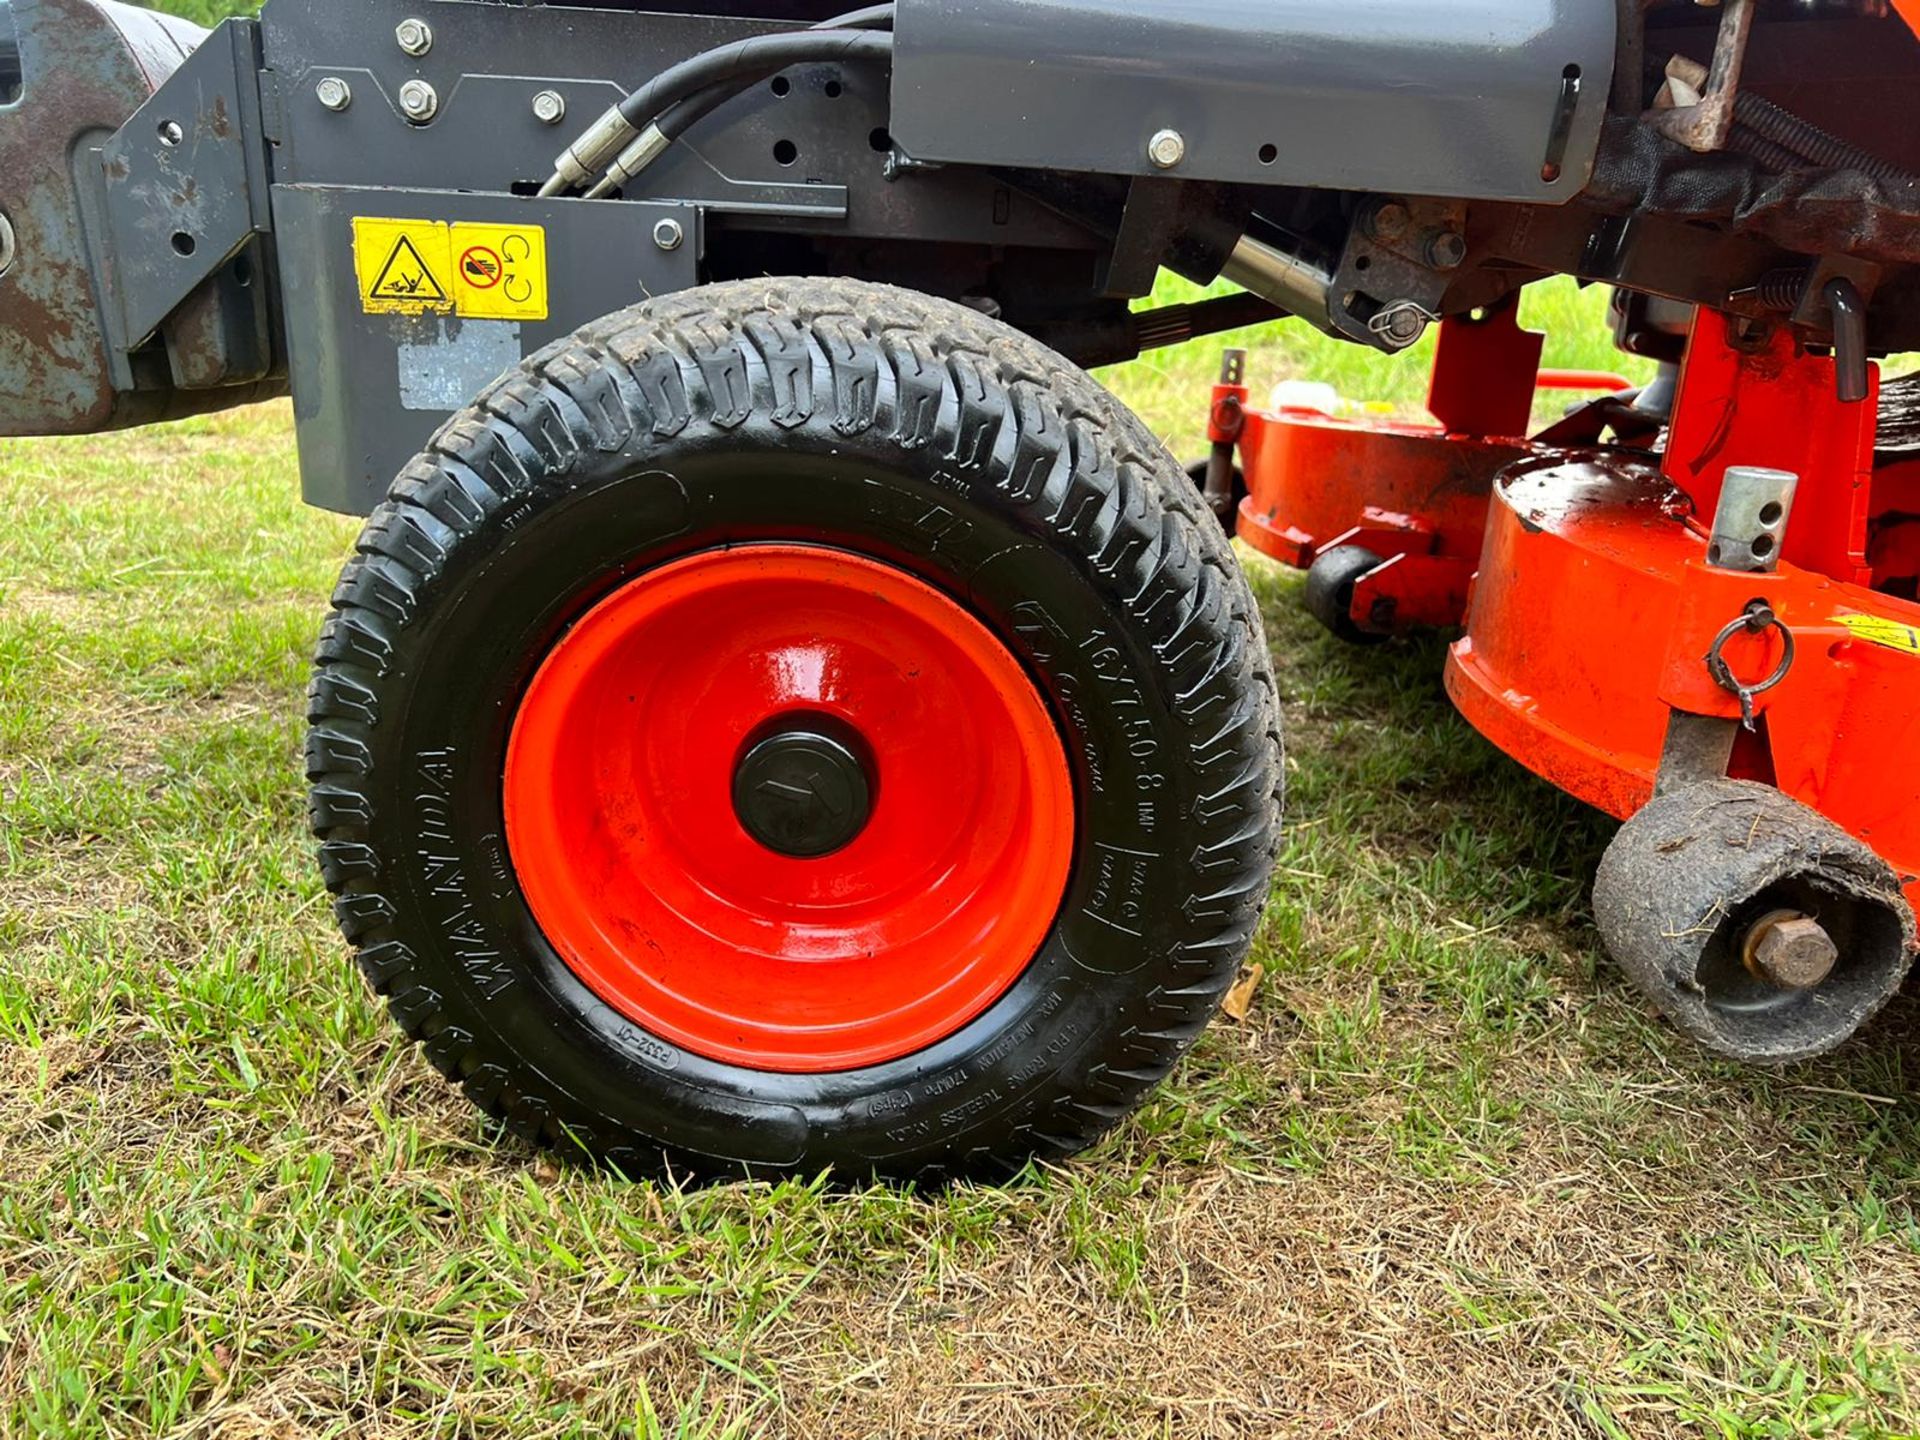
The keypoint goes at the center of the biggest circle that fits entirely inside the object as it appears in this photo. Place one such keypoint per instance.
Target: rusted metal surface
(1789, 950)
(87, 67)
(186, 181)
(1706, 125)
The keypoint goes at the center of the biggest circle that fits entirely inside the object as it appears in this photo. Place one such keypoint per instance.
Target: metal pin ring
(1757, 619)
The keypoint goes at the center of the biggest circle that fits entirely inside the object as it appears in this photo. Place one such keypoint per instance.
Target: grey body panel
(359, 420)
(359, 415)
(489, 60)
(1455, 98)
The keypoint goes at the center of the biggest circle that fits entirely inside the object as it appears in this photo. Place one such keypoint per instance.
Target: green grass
(1450, 1178)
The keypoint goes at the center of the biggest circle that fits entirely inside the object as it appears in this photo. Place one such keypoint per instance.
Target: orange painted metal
(1591, 609)
(1909, 11)
(1312, 480)
(1415, 495)
(1770, 405)
(624, 835)
(1605, 380)
(1594, 608)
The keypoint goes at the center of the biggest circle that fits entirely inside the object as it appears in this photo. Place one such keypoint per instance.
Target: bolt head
(1389, 220)
(1794, 952)
(549, 107)
(1167, 149)
(171, 134)
(419, 101)
(1447, 250)
(7, 246)
(415, 36)
(334, 93)
(669, 234)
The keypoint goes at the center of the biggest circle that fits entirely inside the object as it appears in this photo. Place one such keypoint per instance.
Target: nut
(669, 235)
(415, 37)
(334, 93)
(549, 107)
(419, 101)
(1790, 950)
(1167, 149)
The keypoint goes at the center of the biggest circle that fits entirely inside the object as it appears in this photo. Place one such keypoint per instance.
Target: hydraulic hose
(646, 121)
(683, 110)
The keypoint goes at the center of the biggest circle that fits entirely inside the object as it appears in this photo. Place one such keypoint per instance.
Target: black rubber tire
(1330, 582)
(841, 413)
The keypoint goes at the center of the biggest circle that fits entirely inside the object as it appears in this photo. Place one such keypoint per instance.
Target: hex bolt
(415, 37)
(1447, 250)
(1388, 220)
(549, 107)
(419, 101)
(334, 93)
(1790, 951)
(8, 249)
(669, 235)
(1167, 149)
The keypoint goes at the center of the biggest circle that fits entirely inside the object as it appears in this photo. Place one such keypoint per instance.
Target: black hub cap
(803, 787)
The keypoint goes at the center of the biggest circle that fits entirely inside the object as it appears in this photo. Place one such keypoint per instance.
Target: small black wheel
(1197, 473)
(1330, 582)
(797, 724)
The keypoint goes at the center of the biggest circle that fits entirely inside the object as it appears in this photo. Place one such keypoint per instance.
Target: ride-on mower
(783, 713)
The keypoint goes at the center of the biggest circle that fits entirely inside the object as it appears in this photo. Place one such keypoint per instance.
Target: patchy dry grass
(1448, 1179)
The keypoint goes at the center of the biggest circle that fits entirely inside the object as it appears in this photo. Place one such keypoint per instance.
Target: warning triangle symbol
(406, 276)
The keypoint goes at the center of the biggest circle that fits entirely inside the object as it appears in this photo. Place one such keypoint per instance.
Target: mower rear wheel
(1330, 582)
(797, 724)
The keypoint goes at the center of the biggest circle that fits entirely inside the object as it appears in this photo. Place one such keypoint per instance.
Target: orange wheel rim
(789, 808)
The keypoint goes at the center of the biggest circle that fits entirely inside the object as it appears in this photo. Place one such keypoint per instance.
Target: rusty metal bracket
(186, 181)
(1706, 126)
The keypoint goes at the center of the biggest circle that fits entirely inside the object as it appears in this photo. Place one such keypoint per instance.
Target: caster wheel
(797, 724)
(1197, 473)
(1758, 927)
(1330, 582)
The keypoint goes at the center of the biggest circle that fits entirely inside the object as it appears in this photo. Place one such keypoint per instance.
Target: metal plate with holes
(186, 180)
(1464, 98)
(809, 151)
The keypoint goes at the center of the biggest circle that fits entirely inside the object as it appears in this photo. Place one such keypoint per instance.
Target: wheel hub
(804, 790)
(789, 808)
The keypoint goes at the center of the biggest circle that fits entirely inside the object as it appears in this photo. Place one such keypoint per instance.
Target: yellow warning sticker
(405, 266)
(427, 267)
(500, 271)
(1878, 630)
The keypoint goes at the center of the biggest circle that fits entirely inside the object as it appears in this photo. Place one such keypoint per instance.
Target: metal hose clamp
(1756, 619)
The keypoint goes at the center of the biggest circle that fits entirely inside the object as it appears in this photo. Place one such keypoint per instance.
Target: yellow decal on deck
(1878, 630)
(405, 266)
(500, 272)
(427, 267)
